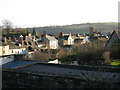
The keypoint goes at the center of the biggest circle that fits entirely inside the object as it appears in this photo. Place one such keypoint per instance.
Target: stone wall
(11, 79)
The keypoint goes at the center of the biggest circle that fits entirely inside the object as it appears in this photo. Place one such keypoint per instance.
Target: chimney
(5, 40)
(70, 33)
(15, 39)
(9, 38)
(61, 34)
(20, 40)
(45, 33)
(33, 37)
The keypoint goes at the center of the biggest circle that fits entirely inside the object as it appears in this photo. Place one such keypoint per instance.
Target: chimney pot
(9, 38)
(69, 33)
(5, 40)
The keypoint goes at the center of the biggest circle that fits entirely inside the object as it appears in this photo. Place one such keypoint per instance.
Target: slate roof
(3, 43)
(51, 38)
(66, 37)
(117, 33)
(78, 40)
(12, 46)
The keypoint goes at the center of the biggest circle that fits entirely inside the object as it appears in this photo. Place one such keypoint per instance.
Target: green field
(116, 63)
(78, 28)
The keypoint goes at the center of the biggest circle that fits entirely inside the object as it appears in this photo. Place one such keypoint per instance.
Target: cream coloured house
(50, 41)
(66, 40)
(4, 50)
(13, 49)
(10, 50)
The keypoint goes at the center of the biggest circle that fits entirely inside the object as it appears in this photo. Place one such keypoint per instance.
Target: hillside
(78, 28)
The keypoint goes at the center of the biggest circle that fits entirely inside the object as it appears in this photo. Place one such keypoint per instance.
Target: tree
(106, 56)
(40, 56)
(7, 25)
(62, 53)
(34, 32)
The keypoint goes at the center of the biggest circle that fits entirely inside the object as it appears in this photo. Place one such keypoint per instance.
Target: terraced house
(50, 41)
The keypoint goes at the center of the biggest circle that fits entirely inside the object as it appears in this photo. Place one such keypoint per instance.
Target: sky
(34, 13)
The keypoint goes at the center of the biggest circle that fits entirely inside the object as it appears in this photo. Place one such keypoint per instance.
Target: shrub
(115, 53)
(106, 56)
(40, 56)
(90, 54)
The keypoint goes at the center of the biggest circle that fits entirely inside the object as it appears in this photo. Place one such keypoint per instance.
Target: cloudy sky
(29, 13)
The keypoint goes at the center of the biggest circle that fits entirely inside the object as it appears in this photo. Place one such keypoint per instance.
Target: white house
(4, 50)
(17, 51)
(13, 49)
(50, 41)
(66, 40)
(85, 40)
(70, 40)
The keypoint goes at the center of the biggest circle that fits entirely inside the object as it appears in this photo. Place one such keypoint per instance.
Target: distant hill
(78, 28)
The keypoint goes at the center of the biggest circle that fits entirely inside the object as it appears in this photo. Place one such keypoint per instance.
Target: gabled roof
(30, 43)
(78, 40)
(12, 46)
(66, 37)
(117, 32)
(51, 38)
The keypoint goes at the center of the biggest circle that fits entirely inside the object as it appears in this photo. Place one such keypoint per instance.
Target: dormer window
(12, 51)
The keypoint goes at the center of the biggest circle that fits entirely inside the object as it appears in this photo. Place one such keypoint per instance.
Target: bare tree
(7, 25)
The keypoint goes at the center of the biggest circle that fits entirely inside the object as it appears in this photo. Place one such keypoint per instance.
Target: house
(78, 41)
(85, 40)
(11, 49)
(28, 37)
(65, 39)
(50, 41)
(114, 39)
(4, 49)
(34, 36)
(108, 35)
(14, 49)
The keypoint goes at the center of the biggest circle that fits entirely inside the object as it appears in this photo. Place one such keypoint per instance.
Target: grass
(78, 28)
(116, 63)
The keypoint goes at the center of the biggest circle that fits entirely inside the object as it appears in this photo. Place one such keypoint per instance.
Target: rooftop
(16, 64)
(44, 67)
(51, 38)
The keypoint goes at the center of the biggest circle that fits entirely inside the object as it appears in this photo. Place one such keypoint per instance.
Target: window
(12, 51)
(3, 51)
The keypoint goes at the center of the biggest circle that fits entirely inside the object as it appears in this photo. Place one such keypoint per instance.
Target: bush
(115, 53)
(106, 56)
(40, 56)
(90, 54)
